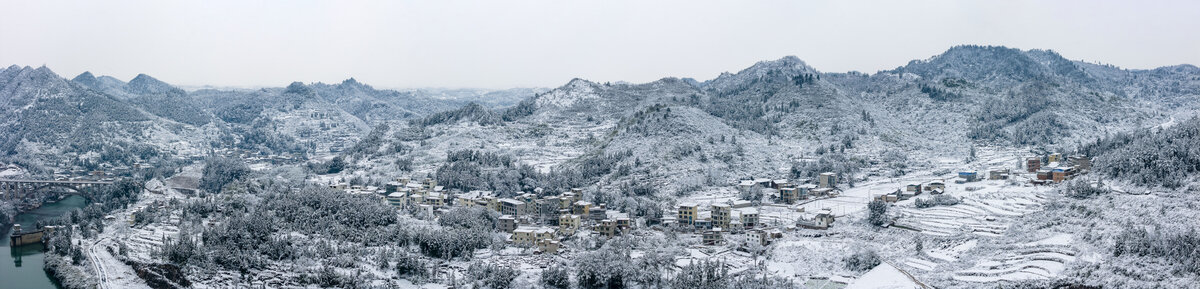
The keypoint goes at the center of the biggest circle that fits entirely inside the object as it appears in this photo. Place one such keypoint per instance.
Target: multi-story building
(568, 224)
(581, 208)
(397, 199)
(687, 213)
(721, 215)
(827, 180)
(508, 223)
(788, 195)
(748, 217)
(512, 207)
(529, 236)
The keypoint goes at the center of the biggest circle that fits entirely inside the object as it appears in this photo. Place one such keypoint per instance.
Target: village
(717, 220)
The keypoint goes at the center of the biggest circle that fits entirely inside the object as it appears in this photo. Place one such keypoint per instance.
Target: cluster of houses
(535, 222)
(788, 192)
(1056, 168)
(909, 191)
(541, 222)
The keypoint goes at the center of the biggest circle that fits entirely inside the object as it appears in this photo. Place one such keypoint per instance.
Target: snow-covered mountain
(103, 121)
(763, 119)
(757, 121)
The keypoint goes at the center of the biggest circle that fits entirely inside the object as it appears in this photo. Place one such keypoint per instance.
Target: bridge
(21, 189)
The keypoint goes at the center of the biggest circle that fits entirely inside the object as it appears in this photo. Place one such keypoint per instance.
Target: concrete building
(581, 208)
(568, 224)
(548, 246)
(712, 237)
(512, 207)
(1033, 164)
(687, 213)
(530, 236)
(397, 199)
(935, 186)
(827, 179)
(788, 195)
(721, 215)
(508, 223)
(748, 217)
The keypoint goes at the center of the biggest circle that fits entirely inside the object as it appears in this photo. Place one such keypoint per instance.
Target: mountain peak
(145, 84)
(353, 84)
(46, 72)
(297, 87)
(86, 79)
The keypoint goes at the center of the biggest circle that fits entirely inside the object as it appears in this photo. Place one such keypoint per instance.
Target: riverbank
(23, 266)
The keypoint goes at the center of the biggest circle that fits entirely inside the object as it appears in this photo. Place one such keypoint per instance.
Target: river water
(21, 267)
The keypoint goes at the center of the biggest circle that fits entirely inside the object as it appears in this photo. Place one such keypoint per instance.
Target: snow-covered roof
(744, 211)
(884, 276)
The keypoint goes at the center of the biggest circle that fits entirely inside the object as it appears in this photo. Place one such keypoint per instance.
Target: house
(429, 183)
(748, 217)
(935, 185)
(998, 174)
(822, 192)
(568, 224)
(738, 204)
(508, 223)
(434, 199)
(1044, 174)
(827, 179)
(822, 220)
(889, 197)
(512, 207)
(606, 227)
(915, 188)
(1080, 162)
(397, 199)
(788, 195)
(721, 215)
(803, 191)
(568, 198)
(712, 237)
(968, 176)
(1060, 174)
(746, 186)
(622, 220)
(1033, 164)
(548, 246)
(762, 236)
(581, 208)
(687, 213)
(825, 217)
(780, 183)
(597, 214)
(416, 199)
(763, 182)
(1054, 158)
(529, 236)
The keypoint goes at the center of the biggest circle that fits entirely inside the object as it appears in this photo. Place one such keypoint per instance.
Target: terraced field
(987, 215)
(1038, 260)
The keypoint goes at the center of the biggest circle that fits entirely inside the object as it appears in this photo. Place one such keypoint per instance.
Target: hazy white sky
(499, 44)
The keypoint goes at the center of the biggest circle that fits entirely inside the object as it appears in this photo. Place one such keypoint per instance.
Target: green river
(21, 267)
